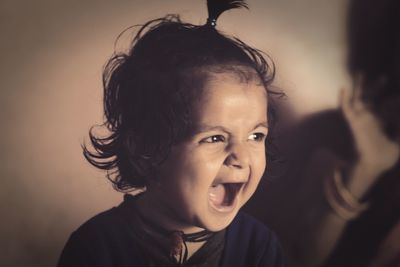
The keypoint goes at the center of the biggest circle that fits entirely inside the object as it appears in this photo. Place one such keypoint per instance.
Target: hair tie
(217, 7)
(211, 22)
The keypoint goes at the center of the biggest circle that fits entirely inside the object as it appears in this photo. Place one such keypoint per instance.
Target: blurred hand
(377, 153)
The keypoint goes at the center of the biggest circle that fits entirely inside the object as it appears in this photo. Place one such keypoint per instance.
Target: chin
(217, 222)
(217, 228)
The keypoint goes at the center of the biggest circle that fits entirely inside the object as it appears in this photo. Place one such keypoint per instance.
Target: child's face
(207, 179)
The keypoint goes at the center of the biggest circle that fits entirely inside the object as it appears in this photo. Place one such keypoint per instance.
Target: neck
(151, 209)
(193, 247)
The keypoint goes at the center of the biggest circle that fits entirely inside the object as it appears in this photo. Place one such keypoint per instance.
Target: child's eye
(258, 137)
(213, 139)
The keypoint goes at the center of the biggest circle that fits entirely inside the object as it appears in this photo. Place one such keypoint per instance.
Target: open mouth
(222, 196)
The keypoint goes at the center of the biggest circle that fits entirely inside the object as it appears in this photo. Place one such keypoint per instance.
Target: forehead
(243, 82)
(229, 99)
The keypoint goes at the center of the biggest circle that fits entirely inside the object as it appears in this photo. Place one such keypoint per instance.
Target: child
(187, 111)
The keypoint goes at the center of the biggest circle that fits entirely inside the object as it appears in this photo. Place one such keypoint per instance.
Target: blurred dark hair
(374, 54)
(149, 92)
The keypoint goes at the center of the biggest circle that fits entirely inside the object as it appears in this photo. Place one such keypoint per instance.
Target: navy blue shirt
(105, 241)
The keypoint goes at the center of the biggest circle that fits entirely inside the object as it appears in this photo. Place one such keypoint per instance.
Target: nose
(238, 156)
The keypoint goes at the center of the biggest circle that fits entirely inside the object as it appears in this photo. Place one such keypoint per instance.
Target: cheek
(198, 171)
(202, 171)
(259, 164)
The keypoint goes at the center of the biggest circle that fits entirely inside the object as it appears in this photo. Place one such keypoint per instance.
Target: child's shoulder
(103, 238)
(245, 220)
(103, 222)
(105, 226)
(251, 243)
(111, 225)
(248, 228)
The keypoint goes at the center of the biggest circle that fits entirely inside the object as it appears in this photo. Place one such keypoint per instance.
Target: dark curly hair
(149, 92)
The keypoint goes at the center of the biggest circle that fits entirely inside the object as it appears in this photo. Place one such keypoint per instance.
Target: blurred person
(337, 200)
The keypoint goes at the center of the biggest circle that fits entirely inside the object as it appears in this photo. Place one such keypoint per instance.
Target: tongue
(217, 194)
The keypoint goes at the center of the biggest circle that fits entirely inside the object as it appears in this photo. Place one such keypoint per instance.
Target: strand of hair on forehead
(217, 7)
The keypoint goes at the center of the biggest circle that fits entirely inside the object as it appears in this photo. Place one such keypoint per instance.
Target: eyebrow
(262, 124)
(206, 128)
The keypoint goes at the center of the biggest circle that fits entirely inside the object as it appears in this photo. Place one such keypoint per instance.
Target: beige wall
(52, 53)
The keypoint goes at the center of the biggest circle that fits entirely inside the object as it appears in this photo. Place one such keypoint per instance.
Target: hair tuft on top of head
(217, 7)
